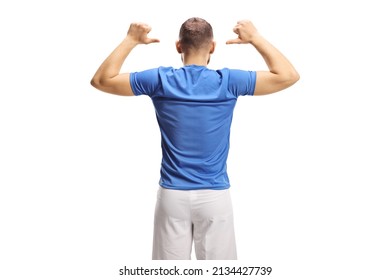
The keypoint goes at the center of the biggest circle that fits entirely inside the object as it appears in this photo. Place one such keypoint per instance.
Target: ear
(212, 47)
(178, 47)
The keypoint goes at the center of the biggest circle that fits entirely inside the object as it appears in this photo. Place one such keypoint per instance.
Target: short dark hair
(195, 33)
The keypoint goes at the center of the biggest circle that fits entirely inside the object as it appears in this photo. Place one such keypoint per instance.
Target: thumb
(152, 40)
(234, 41)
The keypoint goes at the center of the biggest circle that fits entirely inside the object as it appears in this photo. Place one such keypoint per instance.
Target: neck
(196, 59)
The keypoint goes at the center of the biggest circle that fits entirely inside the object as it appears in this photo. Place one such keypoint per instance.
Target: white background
(309, 166)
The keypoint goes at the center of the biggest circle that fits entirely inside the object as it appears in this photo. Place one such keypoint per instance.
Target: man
(194, 107)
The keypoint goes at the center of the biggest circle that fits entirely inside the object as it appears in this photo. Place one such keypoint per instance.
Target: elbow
(291, 78)
(96, 83)
(296, 76)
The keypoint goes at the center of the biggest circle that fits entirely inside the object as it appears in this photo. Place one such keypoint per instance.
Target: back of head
(195, 33)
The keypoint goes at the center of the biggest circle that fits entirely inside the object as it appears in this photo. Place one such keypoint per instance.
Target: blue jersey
(194, 108)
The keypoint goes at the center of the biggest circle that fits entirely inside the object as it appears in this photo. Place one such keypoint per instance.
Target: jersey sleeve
(242, 82)
(144, 82)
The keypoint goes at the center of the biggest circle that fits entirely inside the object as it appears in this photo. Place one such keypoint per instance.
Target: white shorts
(204, 217)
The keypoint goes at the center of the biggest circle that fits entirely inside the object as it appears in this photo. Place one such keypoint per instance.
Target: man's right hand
(139, 31)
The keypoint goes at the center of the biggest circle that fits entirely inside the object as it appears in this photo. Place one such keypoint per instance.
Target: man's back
(194, 108)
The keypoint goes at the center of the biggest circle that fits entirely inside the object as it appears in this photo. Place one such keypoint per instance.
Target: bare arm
(107, 78)
(281, 74)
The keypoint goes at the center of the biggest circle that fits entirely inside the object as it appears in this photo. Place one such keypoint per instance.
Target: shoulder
(237, 75)
(150, 75)
(232, 71)
(153, 71)
(148, 81)
(239, 82)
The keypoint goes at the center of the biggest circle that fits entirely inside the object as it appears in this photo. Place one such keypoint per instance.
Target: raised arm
(281, 74)
(107, 78)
